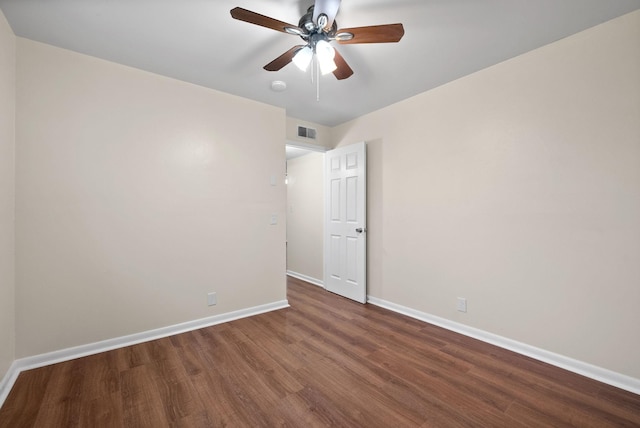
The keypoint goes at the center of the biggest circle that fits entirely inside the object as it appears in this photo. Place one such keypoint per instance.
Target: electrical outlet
(462, 304)
(212, 299)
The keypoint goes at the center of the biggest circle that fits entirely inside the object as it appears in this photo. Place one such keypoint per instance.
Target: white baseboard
(7, 381)
(314, 281)
(597, 373)
(594, 372)
(67, 354)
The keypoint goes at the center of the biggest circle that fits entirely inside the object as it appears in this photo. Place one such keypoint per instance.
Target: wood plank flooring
(326, 361)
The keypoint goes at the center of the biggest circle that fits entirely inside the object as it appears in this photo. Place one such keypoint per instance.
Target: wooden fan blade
(389, 33)
(343, 71)
(261, 20)
(283, 59)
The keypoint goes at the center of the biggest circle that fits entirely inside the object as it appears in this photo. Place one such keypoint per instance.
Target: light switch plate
(212, 299)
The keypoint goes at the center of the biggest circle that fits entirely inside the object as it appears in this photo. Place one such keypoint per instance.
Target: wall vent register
(306, 132)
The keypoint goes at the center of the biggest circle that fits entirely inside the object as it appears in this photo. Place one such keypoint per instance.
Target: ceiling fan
(318, 29)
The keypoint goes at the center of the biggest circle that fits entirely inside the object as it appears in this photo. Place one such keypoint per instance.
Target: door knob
(360, 230)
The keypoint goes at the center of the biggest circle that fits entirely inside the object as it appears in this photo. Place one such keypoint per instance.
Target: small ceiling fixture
(278, 86)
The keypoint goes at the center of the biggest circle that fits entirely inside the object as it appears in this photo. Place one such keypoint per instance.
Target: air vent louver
(306, 132)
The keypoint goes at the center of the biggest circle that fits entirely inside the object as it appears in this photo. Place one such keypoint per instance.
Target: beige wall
(136, 196)
(305, 220)
(7, 189)
(518, 187)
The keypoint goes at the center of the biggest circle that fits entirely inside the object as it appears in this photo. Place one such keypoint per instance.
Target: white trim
(307, 146)
(600, 374)
(7, 381)
(309, 279)
(67, 354)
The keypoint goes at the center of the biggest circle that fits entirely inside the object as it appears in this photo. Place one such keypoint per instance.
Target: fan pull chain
(317, 82)
(315, 71)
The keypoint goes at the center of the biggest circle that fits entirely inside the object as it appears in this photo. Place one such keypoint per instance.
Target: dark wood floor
(325, 361)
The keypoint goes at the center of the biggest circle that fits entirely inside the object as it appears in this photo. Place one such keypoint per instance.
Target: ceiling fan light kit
(318, 29)
(303, 58)
(325, 54)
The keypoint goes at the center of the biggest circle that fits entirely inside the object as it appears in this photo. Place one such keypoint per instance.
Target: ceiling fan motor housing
(306, 21)
(306, 24)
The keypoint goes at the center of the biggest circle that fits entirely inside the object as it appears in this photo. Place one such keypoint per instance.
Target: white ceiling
(197, 41)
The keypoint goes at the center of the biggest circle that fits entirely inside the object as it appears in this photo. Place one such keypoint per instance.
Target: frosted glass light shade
(303, 57)
(325, 53)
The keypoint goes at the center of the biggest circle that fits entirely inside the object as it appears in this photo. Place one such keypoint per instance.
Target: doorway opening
(326, 219)
(305, 212)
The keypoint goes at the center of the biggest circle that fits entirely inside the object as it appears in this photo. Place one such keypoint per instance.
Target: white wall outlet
(212, 299)
(274, 219)
(462, 304)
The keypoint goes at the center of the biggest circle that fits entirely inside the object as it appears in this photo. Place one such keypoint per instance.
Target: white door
(345, 240)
